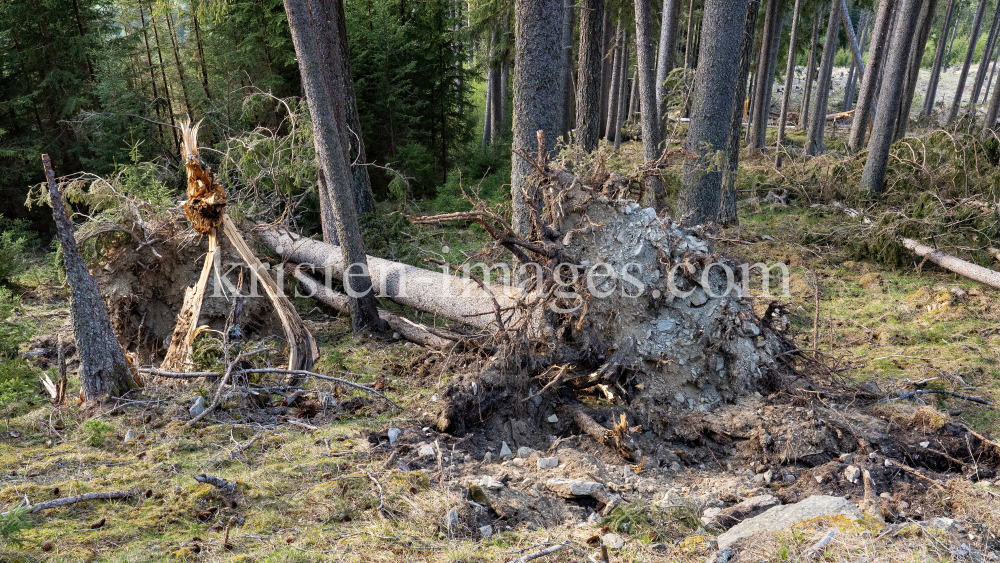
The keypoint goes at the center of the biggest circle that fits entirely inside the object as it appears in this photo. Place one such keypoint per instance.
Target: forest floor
(339, 490)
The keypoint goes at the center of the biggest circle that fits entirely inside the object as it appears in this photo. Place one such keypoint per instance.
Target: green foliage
(96, 432)
(18, 383)
(12, 333)
(14, 242)
(12, 524)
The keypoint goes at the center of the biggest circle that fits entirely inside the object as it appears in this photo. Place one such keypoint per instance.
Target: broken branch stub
(206, 202)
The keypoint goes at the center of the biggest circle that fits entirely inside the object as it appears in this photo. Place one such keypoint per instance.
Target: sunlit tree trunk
(177, 61)
(913, 67)
(789, 73)
(977, 23)
(588, 86)
(765, 78)
(984, 64)
(870, 80)
(942, 43)
(810, 70)
(814, 135)
(665, 55)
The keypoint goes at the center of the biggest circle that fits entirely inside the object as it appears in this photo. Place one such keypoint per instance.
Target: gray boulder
(783, 517)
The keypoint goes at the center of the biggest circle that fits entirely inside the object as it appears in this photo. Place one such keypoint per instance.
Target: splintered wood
(206, 202)
(187, 320)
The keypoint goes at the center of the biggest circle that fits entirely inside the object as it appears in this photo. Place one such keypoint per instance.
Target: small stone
(903, 505)
(490, 483)
(47, 546)
(524, 451)
(396, 336)
(924, 444)
(594, 518)
(789, 478)
(548, 462)
(394, 435)
(768, 476)
(553, 419)
(488, 458)
(517, 462)
(708, 516)
(129, 436)
(486, 531)
(613, 541)
(819, 478)
(888, 463)
(426, 450)
(885, 496)
(679, 398)
(847, 458)
(505, 451)
(946, 524)
(852, 473)
(451, 519)
(675, 466)
(198, 407)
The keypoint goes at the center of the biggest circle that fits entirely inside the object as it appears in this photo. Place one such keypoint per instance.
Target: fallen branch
(957, 265)
(821, 543)
(104, 495)
(602, 435)
(222, 384)
(215, 481)
(912, 394)
(409, 330)
(541, 553)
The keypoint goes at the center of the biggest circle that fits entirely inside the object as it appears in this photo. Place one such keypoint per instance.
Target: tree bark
(652, 142)
(977, 23)
(913, 67)
(163, 72)
(607, 70)
(810, 69)
(364, 200)
(201, 49)
(942, 42)
(622, 91)
(854, 73)
(989, 82)
(588, 82)
(727, 207)
(873, 177)
(536, 103)
(616, 72)
(665, 56)
(104, 370)
(325, 95)
(789, 72)
(714, 95)
(957, 265)
(568, 95)
(984, 63)
(870, 79)
(487, 118)
(451, 297)
(814, 135)
(504, 93)
(152, 74)
(990, 121)
(633, 97)
(765, 78)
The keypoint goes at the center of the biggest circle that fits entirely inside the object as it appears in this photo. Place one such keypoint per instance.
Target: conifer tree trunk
(201, 50)
(977, 23)
(688, 39)
(853, 73)
(536, 103)
(984, 63)
(913, 67)
(715, 87)
(364, 200)
(104, 370)
(315, 39)
(622, 91)
(504, 94)
(772, 68)
(758, 116)
(727, 207)
(166, 87)
(873, 177)
(870, 79)
(588, 82)
(152, 73)
(814, 135)
(810, 70)
(487, 118)
(990, 121)
(942, 42)
(789, 72)
(568, 115)
(177, 61)
(652, 142)
(616, 70)
(996, 59)
(607, 70)
(633, 97)
(665, 55)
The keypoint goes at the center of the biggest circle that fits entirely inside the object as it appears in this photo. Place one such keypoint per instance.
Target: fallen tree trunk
(454, 298)
(957, 265)
(408, 329)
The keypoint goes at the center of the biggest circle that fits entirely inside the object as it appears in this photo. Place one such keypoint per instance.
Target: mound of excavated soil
(143, 289)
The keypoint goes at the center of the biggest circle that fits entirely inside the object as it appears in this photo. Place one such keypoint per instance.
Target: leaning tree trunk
(789, 73)
(727, 207)
(814, 135)
(104, 370)
(758, 115)
(364, 200)
(913, 67)
(873, 176)
(984, 63)
(977, 23)
(990, 121)
(810, 69)
(870, 79)
(652, 142)
(588, 81)
(942, 42)
(536, 103)
(665, 56)
(715, 87)
(325, 94)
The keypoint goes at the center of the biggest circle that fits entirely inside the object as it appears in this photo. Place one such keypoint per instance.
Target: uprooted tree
(610, 297)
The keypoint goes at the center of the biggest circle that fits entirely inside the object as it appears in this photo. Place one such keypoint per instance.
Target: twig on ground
(818, 546)
(55, 503)
(541, 553)
(215, 481)
(912, 394)
(381, 497)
